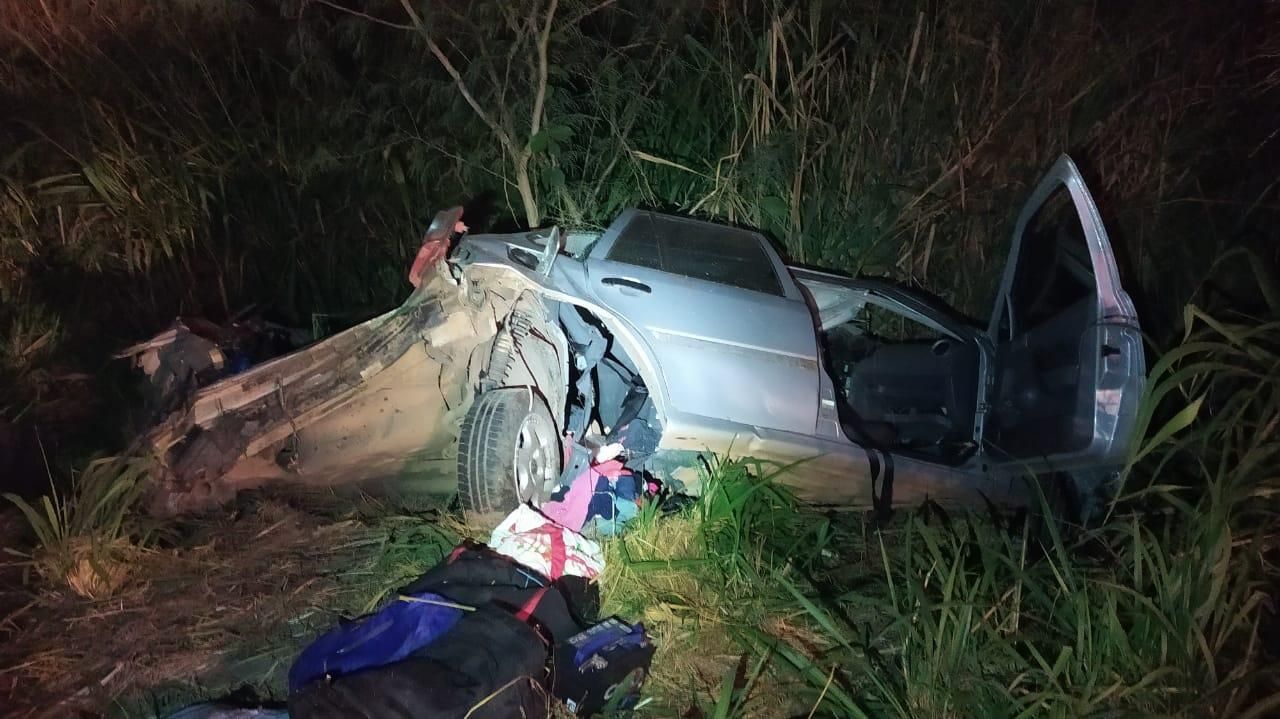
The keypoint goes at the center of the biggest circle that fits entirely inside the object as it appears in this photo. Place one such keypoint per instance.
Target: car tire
(509, 451)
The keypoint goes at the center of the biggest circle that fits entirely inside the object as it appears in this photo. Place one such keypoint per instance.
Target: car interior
(903, 386)
(906, 387)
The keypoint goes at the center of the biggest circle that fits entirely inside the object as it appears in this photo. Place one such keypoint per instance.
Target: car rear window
(699, 250)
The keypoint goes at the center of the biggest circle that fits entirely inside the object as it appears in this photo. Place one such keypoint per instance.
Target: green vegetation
(764, 607)
(86, 536)
(195, 157)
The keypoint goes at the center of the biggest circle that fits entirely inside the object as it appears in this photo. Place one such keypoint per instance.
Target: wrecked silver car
(664, 339)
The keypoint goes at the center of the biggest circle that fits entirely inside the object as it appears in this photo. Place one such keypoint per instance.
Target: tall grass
(706, 578)
(1159, 609)
(85, 536)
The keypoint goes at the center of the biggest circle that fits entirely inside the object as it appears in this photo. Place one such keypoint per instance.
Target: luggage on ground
(480, 635)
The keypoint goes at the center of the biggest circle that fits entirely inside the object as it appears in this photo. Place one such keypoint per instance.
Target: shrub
(86, 535)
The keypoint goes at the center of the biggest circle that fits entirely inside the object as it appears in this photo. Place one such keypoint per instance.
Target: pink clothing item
(571, 512)
(611, 469)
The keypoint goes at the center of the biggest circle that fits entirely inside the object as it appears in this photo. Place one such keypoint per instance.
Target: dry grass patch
(220, 602)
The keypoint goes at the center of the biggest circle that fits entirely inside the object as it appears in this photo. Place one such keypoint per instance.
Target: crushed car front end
(385, 404)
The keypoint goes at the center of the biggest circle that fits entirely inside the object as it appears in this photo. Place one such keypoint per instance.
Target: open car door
(1069, 364)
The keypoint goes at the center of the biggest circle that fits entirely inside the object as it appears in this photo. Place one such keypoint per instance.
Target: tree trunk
(531, 214)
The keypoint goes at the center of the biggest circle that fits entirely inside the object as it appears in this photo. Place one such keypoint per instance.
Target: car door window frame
(1113, 303)
(603, 248)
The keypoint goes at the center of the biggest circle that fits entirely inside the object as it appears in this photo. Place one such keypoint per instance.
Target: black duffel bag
(490, 659)
(490, 665)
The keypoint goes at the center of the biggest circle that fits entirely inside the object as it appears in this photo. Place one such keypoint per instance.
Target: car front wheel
(508, 451)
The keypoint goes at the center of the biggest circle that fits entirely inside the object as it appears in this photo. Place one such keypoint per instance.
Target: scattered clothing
(612, 525)
(490, 631)
(582, 501)
(614, 502)
(571, 510)
(609, 452)
(600, 500)
(535, 541)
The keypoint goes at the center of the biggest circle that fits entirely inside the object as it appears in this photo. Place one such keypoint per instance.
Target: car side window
(895, 327)
(698, 250)
(1054, 269)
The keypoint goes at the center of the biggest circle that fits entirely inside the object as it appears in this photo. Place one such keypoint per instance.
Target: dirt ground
(219, 606)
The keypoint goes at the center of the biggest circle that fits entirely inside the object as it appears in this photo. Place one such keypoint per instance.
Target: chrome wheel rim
(536, 458)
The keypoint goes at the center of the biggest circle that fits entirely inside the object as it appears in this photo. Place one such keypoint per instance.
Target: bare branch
(591, 11)
(366, 16)
(518, 154)
(539, 99)
(487, 119)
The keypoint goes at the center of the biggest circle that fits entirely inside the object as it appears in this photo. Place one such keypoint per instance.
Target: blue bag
(386, 636)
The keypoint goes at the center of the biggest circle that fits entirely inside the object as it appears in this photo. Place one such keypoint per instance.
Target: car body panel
(723, 351)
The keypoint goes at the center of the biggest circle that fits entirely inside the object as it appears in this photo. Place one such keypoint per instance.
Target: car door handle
(629, 284)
